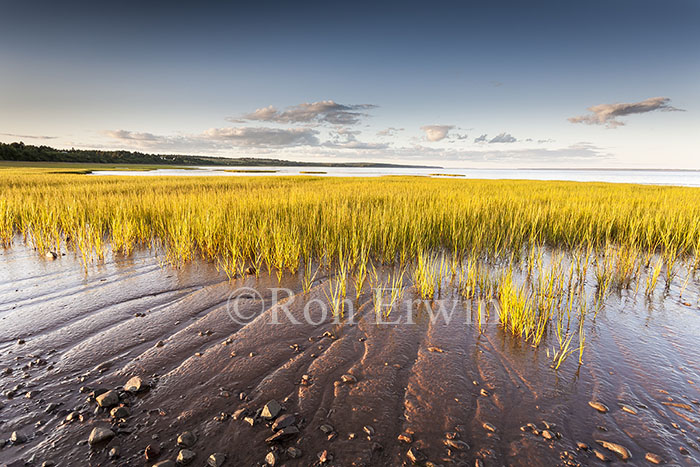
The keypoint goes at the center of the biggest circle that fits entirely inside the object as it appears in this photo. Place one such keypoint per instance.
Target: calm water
(655, 177)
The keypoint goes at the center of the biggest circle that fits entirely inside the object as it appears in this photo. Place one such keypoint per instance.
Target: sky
(483, 84)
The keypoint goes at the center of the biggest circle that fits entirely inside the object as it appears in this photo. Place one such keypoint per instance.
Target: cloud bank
(606, 114)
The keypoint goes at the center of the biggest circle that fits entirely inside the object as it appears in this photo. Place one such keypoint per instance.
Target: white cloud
(606, 114)
(436, 132)
(311, 112)
(391, 131)
(503, 138)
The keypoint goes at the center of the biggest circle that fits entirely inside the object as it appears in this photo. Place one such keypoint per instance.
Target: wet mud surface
(359, 393)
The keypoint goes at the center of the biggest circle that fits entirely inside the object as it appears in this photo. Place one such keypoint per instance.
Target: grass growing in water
(435, 228)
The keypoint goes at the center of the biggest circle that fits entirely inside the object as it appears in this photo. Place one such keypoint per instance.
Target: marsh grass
(528, 245)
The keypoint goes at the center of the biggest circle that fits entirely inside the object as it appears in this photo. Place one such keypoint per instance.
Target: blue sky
(398, 82)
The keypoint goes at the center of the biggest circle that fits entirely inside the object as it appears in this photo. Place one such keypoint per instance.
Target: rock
(324, 456)
(489, 427)
(546, 434)
(216, 460)
(165, 463)
(484, 393)
(186, 439)
(628, 409)
(283, 434)
(654, 458)
(271, 410)
(348, 379)
(17, 438)
(249, 420)
(99, 435)
(684, 451)
(119, 412)
(20, 341)
(114, 452)
(134, 385)
(272, 458)
(49, 408)
(405, 438)
(108, 399)
(415, 456)
(599, 406)
(152, 452)
(581, 446)
(51, 255)
(601, 456)
(368, 429)
(283, 421)
(240, 413)
(294, 452)
(618, 449)
(456, 445)
(185, 456)
(326, 428)
(160, 344)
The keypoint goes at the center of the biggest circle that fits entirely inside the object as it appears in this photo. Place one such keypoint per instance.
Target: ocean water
(653, 177)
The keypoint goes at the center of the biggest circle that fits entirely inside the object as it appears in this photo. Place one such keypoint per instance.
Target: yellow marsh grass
(438, 228)
(275, 222)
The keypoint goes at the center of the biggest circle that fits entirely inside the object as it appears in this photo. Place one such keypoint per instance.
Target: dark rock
(108, 399)
(271, 410)
(186, 439)
(457, 445)
(17, 438)
(283, 434)
(294, 452)
(152, 452)
(415, 456)
(240, 413)
(348, 379)
(185, 456)
(283, 421)
(489, 427)
(325, 457)
(216, 460)
(272, 458)
(119, 412)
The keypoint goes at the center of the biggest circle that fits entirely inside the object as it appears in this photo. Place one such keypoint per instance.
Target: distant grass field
(432, 229)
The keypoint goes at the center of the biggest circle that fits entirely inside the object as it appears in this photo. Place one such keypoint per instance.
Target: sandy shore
(348, 393)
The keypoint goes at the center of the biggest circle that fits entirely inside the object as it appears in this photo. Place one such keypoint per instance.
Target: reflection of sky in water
(657, 177)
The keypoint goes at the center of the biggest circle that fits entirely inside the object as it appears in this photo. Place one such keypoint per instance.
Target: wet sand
(440, 385)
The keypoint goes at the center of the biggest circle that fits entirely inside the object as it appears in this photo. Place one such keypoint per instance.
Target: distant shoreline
(20, 152)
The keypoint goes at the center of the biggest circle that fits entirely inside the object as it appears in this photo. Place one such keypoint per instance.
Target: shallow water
(98, 330)
(654, 177)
